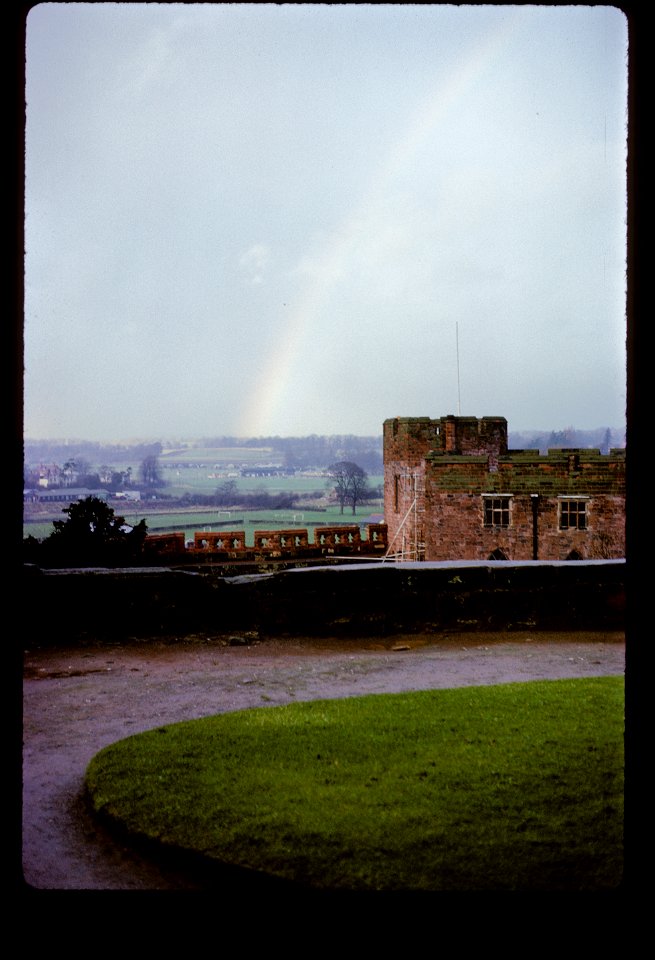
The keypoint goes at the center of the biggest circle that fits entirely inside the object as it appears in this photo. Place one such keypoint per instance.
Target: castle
(454, 491)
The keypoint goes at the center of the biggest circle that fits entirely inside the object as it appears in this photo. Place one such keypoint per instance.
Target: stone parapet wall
(373, 599)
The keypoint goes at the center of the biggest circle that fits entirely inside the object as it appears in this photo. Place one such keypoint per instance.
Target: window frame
(564, 502)
(488, 509)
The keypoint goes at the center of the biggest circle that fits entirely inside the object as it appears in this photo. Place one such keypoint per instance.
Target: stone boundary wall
(368, 599)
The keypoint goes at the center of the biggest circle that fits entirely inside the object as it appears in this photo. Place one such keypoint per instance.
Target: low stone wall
(70, 606)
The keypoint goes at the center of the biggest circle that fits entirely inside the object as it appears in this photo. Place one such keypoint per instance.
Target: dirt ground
(77, 701)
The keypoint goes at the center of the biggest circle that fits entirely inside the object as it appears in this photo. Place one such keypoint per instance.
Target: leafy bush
(91, 536)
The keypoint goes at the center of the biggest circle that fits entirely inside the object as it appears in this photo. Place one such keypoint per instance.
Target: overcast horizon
(255, 220)
(173, 439)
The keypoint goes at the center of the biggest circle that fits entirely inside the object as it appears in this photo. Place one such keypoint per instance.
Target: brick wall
(407, 442)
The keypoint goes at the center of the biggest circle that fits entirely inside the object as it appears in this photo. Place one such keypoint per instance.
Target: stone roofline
(584, 453)
(471, 437)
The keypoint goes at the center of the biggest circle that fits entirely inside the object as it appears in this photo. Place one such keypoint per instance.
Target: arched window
(574, 555)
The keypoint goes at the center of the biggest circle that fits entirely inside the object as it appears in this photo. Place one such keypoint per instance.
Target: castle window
(496, 511)
(572, 514)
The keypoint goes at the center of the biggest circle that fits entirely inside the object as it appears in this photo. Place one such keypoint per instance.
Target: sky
(258, 219)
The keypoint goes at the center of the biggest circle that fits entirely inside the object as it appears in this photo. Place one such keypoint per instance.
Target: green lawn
(510, 787)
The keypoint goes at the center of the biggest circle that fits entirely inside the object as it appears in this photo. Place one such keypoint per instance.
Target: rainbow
(324, 270)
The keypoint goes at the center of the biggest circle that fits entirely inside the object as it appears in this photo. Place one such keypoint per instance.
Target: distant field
(216, 455)
(206, 481)
(191, 521)
(209, 472)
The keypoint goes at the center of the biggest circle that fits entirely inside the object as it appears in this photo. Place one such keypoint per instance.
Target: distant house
(271, 470)
(454, 491)
(63, 495)
(128, 495)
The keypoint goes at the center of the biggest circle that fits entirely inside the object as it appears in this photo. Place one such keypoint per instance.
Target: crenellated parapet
(345, 539)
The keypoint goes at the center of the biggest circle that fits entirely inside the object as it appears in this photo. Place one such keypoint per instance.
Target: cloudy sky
(259, 219)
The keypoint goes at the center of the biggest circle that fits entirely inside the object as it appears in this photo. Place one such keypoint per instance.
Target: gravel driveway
(77, 701)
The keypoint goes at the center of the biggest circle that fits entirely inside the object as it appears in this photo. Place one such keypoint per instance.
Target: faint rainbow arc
(264, 400)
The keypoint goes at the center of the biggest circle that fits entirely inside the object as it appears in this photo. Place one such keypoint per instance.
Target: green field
(216, 455)
(204, 481)
(191, 521)
(201, 471)
(252, 520)
(190, 480)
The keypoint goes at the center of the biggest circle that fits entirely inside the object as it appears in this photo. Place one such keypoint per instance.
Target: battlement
(413, 438)
(231, 545)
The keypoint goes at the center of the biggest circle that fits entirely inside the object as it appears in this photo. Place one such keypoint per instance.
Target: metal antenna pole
(459, 401)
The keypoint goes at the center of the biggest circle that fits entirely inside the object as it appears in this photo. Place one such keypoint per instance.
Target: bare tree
(350, 483)
(226, 493)
(358, 487)
(150, 472)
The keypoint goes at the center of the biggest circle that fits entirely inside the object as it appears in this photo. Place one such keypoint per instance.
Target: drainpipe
(534, 497)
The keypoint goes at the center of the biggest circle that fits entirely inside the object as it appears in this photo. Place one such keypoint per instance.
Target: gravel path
(77, 701)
